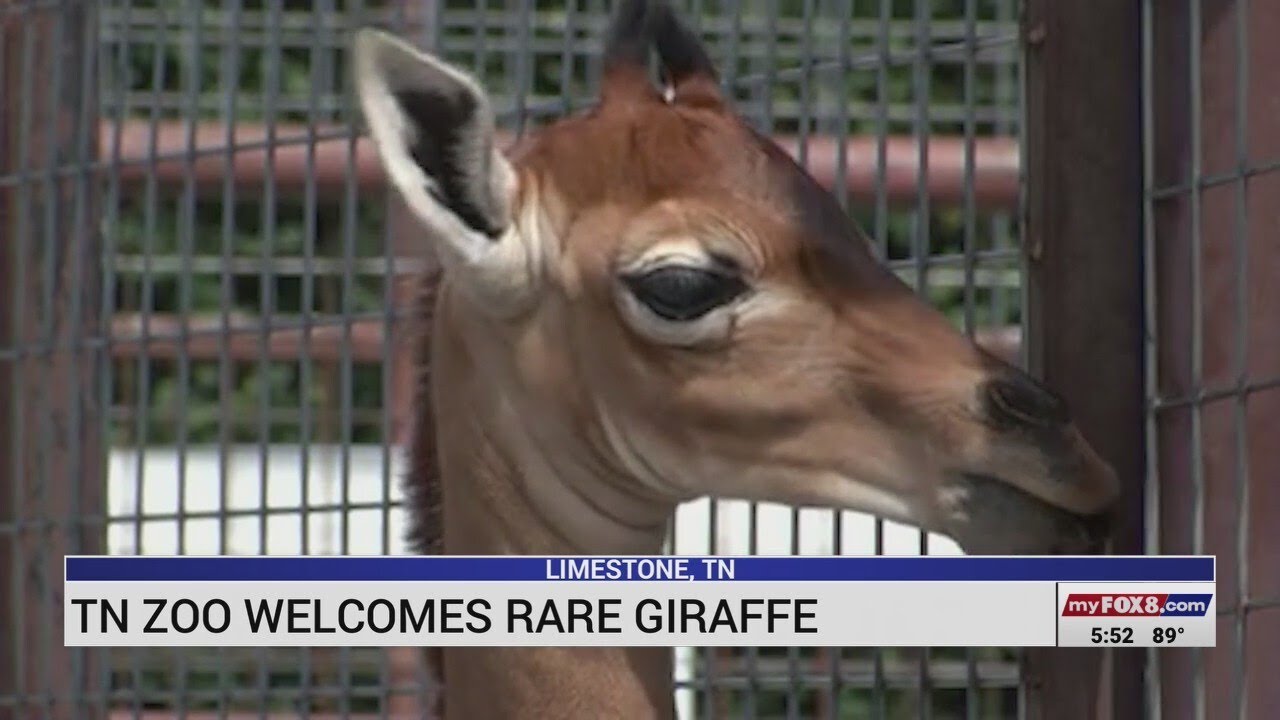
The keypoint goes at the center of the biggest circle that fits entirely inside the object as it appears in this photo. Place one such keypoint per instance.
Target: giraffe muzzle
(993, 517)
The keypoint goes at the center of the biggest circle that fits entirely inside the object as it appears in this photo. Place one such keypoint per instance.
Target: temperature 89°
(1166, 635)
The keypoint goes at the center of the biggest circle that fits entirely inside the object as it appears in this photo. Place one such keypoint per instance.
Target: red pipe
(164, 155)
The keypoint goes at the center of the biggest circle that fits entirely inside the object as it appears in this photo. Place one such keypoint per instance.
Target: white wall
(153, 481)
(252, 482)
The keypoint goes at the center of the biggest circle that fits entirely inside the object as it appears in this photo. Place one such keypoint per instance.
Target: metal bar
(879, 691)
(85, 215)
(310, 233)
(1210, 180)
(1151, 338)
(113, 203)
(271, 81)
(190, 82)
(1240, 369)
(1001, 227)
(921, 89)
(804, 136)
(466, 20)
(50, 275)
(135, 671)
(229, 67)
(350, 210)
(1084, 270)
(1170, 144)
(391, 668)
(972, 695)
(204, 340)
(844, 10)
(1196, 445)
(767, 88)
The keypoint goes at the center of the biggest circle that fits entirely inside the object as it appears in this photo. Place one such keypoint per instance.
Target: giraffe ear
(433, 128)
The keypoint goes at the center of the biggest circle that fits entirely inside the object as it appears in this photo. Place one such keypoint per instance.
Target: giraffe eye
(682, 293)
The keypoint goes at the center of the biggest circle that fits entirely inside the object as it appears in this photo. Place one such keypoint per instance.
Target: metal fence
(1210, 188)
(205, 298)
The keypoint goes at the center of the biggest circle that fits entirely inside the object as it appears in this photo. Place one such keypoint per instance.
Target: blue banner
(652, 568)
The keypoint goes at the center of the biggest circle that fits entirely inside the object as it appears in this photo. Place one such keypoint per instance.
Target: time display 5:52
(1111, 636)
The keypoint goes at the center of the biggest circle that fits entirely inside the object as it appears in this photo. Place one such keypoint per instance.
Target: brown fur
(424, 489)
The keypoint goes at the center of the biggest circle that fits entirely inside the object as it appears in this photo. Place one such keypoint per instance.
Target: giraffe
(649, 302)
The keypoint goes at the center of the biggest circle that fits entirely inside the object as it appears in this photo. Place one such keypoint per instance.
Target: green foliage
(259, 61)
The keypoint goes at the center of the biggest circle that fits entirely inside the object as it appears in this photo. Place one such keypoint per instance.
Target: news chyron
(675, 601)
(1160, 615)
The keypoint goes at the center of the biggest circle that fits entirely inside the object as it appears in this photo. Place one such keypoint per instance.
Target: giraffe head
(668, 293)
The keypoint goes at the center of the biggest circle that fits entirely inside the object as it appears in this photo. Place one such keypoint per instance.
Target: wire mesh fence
(1214, 352)
(207, 293)
(252, 291)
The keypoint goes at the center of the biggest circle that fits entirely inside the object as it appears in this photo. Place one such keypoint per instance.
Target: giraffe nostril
(1013, 399)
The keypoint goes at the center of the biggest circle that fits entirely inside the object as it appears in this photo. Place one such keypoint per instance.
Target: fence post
(52, 464)
(1083, 230)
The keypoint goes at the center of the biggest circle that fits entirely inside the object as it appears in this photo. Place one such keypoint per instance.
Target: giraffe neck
(505, 492)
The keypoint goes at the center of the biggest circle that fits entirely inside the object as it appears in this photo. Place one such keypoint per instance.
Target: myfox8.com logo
(1137, 605)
